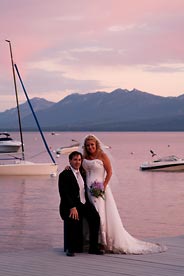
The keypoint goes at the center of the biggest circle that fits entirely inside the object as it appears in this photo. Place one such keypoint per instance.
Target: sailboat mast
(17, 100)
(34, 115)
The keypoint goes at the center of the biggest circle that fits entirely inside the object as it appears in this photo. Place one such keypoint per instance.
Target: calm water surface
(151, 204)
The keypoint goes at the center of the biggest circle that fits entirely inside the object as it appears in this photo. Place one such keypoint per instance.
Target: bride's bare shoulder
(103, 156)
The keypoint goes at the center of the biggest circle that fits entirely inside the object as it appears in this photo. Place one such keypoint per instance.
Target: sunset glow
(64, 46)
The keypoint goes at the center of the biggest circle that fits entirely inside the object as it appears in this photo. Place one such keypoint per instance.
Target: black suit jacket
(69, 192)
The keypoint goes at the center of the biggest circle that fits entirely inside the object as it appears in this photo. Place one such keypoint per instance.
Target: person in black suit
(75, 205)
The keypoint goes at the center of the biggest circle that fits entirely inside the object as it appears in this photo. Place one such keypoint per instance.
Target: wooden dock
(53, 262)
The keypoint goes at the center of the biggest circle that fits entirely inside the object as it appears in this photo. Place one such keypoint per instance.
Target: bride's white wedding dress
(112, 233)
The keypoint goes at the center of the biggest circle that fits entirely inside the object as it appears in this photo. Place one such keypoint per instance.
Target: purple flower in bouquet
(97, 189)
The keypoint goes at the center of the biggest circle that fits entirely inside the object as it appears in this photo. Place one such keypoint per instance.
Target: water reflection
(150, 204)
(29, 213)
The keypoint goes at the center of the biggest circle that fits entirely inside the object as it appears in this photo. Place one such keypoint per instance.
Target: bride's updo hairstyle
(94, 139)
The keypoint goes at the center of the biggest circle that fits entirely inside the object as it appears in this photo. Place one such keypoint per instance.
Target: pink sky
(66, 46)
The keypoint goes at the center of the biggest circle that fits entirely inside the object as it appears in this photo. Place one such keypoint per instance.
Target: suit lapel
(74, 180)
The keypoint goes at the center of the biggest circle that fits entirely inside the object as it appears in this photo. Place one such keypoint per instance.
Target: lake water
(151, 204)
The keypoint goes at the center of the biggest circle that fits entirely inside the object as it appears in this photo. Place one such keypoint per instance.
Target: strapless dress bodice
(94, 170)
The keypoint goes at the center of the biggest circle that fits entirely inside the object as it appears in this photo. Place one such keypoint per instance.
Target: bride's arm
(108, 169)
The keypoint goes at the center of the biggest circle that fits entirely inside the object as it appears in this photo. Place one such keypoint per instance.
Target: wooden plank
(54, 262)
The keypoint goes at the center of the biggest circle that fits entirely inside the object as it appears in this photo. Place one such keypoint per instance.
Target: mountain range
(120, 110)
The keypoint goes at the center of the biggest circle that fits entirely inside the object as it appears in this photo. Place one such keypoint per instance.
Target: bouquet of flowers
(97, 189)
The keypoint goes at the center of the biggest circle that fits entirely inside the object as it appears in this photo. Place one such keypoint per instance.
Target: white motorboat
(67, 149)
(8, 144)
(168, 163)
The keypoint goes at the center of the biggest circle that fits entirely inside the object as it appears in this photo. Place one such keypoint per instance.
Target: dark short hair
(74, 153)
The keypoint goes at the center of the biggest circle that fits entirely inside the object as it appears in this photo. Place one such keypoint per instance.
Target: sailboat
(18, 165)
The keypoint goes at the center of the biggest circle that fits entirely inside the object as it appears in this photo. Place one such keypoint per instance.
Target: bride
(113, 236)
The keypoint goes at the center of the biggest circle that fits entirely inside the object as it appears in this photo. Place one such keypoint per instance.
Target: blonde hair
(94, 139)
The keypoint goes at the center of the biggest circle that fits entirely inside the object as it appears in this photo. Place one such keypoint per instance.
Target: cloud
(94, 49)
(165, 68)
(89, 45)
(124, 28)
(69, 18)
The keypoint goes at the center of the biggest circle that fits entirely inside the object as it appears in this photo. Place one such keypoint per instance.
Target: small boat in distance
(8, 144)
(67, 149)
(169, 163)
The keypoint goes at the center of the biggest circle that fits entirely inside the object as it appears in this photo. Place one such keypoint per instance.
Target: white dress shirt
(81, 184)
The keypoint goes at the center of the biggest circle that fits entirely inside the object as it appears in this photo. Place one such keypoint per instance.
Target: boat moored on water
(8, 144)
(22, 167)
(67, 149)
(15, 165)
(168, 163)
